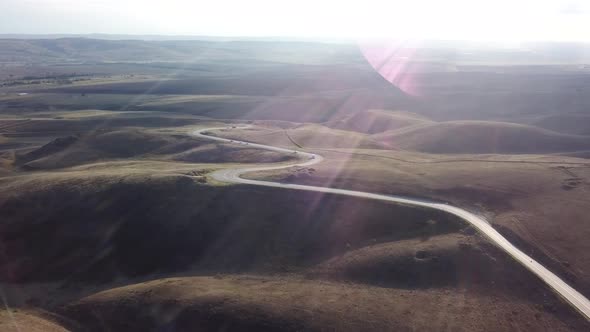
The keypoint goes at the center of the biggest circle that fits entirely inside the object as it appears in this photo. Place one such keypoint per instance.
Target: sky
(493, 20)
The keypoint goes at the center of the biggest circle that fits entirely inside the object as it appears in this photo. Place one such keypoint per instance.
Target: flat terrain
(110, 220)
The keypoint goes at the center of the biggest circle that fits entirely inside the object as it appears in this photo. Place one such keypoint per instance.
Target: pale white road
(576, 299)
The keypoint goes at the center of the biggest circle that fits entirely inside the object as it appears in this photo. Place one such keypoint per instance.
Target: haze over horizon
(503, 20)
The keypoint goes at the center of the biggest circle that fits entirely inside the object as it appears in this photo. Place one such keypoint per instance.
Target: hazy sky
(509, 20)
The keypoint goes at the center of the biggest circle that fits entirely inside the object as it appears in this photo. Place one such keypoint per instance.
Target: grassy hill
(300, 136)
(104, 145)
(438, 261)
(27, 320)
(253, 303)
(454, 137)
(377, 121)
(114, 222)
(109, 217)
(87, 49)
(575, 124)
(283, 265)
(481, 137)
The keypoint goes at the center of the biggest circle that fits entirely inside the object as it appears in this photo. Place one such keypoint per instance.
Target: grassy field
(535, 200)
(410, 132)
(34, 321)
(290, 246)
(110, 220)
(246, 303)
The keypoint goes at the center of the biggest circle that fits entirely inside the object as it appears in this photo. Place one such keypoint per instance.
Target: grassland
(113, 221)
(109, 219)
(523, 195)
(102, 228)
(35, 321)
(289, 304)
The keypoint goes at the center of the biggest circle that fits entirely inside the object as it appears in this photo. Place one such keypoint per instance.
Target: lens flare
(393, 60)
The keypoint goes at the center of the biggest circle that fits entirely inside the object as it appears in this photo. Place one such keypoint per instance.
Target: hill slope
(576, 124)
(98, 230)
(133, 143)
(19, 320)
(377, 121)
(282, 133)
(250, 303)
(481, 137)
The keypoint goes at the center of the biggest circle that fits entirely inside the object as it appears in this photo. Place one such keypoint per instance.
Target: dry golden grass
(542, 199)
(506, 188)
(246, 303)
(127, 144)
(300, 135)
(23, 321)
(566, 123)
(377, 121)
(419, 135)
(374, 247)
(480, 137)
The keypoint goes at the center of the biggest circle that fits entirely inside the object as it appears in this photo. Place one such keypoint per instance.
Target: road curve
(576, 299)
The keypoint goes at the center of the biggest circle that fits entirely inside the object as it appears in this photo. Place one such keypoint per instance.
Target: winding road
(233, 175)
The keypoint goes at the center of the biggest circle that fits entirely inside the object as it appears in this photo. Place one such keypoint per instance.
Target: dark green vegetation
(109, 219)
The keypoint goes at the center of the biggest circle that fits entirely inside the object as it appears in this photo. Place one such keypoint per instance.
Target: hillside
(377, 121)
(88, 49)
(242, 268)
(104, 145)
(215, 228)
(301, 136)
(436, 261)
(254, 303)
(576, 124)
(481, 137)
(22, 320)
(111, 217)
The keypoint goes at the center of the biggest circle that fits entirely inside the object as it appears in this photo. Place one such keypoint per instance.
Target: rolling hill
(481, 137)
(575, 124)
(254, 303)
(222, 261)
(24, 320)
(301, 136)
(377, 121)
(104, 145)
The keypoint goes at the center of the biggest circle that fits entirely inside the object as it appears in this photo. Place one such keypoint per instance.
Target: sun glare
(498, 20)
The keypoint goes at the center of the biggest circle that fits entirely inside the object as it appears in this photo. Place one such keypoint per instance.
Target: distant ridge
(172, 37)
